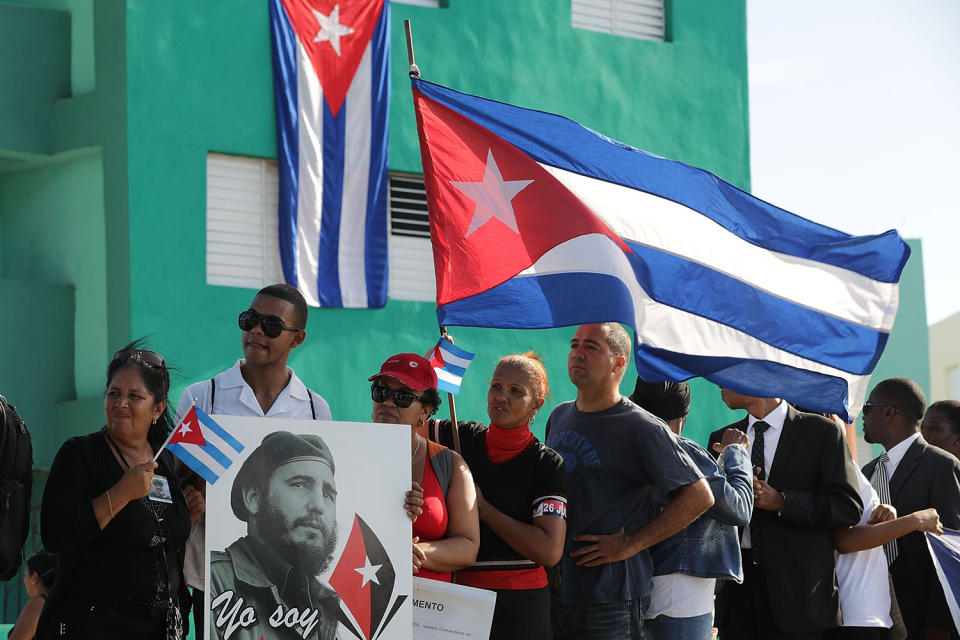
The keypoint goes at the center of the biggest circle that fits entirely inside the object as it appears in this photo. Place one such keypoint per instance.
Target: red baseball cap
(411, 369)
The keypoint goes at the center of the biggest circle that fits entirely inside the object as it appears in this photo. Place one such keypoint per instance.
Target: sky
(855, 122)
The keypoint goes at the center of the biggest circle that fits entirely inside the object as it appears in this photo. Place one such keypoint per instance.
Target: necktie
(757, 460)
(881, 484)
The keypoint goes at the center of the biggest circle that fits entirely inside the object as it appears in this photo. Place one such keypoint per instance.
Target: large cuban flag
(332, 86)
(537, 221)
(945, 552)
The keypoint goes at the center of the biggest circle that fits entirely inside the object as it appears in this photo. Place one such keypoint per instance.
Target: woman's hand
(882, 513)
(196, 505)
(418, 556)
(135, 482)
(413, 504)
(928, 520)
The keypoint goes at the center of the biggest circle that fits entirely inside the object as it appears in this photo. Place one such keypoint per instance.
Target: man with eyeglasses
(912, 475)
(805, 486)
(260, 384)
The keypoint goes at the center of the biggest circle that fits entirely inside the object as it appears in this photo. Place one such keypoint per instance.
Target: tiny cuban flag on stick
(203, 445)
(945, 551)
(450, 363)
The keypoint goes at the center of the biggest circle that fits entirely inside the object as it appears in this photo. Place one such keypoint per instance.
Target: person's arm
(834, 503)
(69, 519)
(733, 488)
(459, 548)
(26, 626)
(868, 536)
(541, 541)
(687, 504)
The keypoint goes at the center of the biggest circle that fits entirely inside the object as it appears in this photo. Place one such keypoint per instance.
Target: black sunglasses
(272, 325)
(868, 407)
(140, 356)
(401, 398)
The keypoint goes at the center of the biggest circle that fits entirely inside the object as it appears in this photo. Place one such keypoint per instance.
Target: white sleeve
(198, 390)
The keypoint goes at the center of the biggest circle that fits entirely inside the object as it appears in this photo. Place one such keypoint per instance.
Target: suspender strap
(213, 393)
(313, 410)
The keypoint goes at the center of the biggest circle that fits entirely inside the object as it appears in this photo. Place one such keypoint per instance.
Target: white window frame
(641, 19)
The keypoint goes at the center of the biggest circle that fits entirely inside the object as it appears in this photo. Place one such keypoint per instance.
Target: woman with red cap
(446, 530)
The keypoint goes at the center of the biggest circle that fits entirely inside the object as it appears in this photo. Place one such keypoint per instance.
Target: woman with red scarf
(521, 498)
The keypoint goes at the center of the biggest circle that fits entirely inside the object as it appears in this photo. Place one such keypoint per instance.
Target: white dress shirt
(234, 397)
(896, 454)
(771, 438)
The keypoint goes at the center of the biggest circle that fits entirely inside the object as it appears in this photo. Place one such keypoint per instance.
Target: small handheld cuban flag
(450, 362)
(945, 551)
(203, 445)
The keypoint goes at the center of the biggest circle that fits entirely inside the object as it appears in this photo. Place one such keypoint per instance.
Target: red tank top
(432, 523)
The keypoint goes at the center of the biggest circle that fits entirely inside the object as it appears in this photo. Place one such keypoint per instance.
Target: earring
(532, 418)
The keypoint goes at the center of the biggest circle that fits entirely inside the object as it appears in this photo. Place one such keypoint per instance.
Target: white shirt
(896, 454)
(862, 575)
(771, 438)
(234, 397)
(681, 596)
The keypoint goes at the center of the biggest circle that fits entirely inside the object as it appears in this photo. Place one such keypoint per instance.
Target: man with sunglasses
(915, 476)
(260, 384)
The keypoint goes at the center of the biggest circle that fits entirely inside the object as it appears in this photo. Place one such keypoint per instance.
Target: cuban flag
(449, 362)
(537, 221)
(203, 445)
(945, 551)
(332, 89)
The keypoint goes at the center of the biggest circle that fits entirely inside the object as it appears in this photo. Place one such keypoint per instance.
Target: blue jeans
(598, 621)
(667, 628)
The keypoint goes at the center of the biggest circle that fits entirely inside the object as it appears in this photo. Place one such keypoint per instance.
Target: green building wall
(200, 81)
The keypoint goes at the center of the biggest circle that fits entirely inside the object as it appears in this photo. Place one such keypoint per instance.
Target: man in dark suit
(804, 487)
(919, 476)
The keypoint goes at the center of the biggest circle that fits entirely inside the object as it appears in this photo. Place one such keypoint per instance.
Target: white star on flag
(185, 427)
(368, 571)
(492, 195)
(330, 28)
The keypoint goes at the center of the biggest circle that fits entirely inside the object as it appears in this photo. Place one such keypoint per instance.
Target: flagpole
(455, 430)
(414, 70)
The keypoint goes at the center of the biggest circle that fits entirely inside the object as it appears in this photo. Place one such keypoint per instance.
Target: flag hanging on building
(203, 445)
(450, 362)
(945, 551)
(332, 89)
(537, 221)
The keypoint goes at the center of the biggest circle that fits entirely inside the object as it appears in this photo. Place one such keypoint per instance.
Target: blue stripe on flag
(563, 143)
(572, 299)
(454, 369)
(211, 424)
(443, 385)
(375, 236)
(328, 268)
(285, 98)
(945, 552)
(457, 351)
(188, 459)
(812, 334)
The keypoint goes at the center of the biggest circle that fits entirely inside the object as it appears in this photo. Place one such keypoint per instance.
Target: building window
(435, 4)
(643, 19)
(242, 245)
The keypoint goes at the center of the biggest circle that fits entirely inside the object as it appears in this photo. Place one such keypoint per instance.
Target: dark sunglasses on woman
(401, 398)
(141, 356)
(272, 326)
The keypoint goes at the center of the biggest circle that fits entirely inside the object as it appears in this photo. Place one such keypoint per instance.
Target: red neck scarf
(503, 444)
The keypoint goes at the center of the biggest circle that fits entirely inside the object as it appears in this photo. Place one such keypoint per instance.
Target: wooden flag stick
(453, 404)
(414, 70)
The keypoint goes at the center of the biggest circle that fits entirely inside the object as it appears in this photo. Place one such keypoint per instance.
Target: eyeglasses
(272, 325)
(869, 406)
(401, 398)
(140, 356)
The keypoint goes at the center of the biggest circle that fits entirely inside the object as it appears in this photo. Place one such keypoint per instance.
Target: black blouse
(124, 562)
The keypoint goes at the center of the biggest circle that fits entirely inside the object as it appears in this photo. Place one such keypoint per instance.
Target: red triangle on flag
(334, 34)
(436, 358)
(188, 430)
(494, 210)
(349, 582)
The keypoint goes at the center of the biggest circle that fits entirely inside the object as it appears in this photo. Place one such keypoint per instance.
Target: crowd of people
(615, 526)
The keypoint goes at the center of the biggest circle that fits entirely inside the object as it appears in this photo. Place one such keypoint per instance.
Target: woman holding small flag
(445, 528)
(521, 497)
(119, 538)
